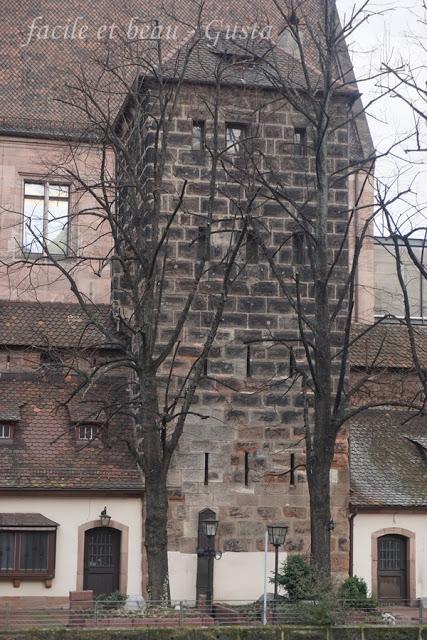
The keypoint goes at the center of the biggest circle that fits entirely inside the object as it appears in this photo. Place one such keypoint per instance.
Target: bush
(298, 578)
(115, 600)
(354, 593)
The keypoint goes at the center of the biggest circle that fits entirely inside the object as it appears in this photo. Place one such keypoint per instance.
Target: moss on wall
(224, 633)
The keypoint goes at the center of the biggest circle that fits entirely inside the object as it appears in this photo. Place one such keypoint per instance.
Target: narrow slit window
(204, 245)
(248, 361)
(205, 367)
(300, 141)
(252, 255)
(298, 247)
(198, 135)
(206, 468)
(246, 469)
(292, 470)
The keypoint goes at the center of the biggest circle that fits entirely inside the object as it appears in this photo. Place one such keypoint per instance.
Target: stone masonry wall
(254, 421)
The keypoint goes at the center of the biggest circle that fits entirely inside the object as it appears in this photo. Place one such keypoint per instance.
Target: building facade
(243, 465)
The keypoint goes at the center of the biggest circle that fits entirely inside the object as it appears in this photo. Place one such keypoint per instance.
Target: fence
(131, 614)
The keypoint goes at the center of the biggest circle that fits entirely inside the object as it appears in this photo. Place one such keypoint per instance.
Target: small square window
(87, 432)
(235, 134)
(300, 141)
(198, 135)
(6, 431)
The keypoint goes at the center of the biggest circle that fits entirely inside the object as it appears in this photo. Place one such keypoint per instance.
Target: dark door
(392, 568)
(102, 560)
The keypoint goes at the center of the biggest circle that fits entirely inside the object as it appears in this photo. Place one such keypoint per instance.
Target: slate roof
(386, 465)
(22, 520)
(387, 346)
(54, 324)
(45, 452)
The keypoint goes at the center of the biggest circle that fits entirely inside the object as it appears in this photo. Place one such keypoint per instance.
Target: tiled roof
(421, 441)
(250, 63)
(387, 467)
(39, 73)
(10, 413)
(45, 452)
(19, 520)
(387, 346)
(54, 324)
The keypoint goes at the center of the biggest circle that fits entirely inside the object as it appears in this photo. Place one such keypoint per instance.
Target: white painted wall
(367, 523)
(70, 513)
(237, 576)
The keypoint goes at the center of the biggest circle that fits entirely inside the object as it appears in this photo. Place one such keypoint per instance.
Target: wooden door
(102, 560)
(392, 569)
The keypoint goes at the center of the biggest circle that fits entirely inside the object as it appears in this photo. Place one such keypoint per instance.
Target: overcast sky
(393, 36)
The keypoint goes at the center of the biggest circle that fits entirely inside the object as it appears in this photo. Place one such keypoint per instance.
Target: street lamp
(276, 537)
(209, 529)
(104, 518)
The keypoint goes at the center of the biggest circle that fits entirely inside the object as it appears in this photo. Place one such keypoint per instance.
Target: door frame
(115, 537)
(124, 544)
(410, 559)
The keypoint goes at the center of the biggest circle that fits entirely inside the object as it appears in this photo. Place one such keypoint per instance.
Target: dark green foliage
(354, 588)
(395, 633)
(222, 633)
(354, 593)
(345, 633)
(115, 600)
(298, 578)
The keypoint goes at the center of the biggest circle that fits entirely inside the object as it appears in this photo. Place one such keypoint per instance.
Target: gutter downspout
(351, 523)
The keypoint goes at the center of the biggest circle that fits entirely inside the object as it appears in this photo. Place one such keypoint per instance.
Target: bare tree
(164, 250)
(330, 218)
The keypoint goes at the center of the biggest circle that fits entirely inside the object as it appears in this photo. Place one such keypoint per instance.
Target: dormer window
(6, 431)
(87, 432)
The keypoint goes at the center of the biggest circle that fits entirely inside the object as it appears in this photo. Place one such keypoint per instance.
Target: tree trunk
(320, 514)
(156, 538)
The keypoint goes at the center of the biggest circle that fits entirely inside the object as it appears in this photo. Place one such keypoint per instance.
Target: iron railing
(136, 614)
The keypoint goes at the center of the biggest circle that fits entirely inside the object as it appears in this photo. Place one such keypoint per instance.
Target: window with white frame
(87, 432)
(6, 431)
(46, 217)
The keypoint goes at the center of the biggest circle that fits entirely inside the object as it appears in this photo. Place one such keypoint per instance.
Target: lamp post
(276, 537)
(209, 528)
(104, 518)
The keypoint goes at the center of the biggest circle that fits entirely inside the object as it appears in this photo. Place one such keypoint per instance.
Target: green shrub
(354, 594)
(298, 578)
(115, 600)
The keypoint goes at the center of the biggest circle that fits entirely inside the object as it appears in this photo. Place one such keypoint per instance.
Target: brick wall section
(258, 417)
